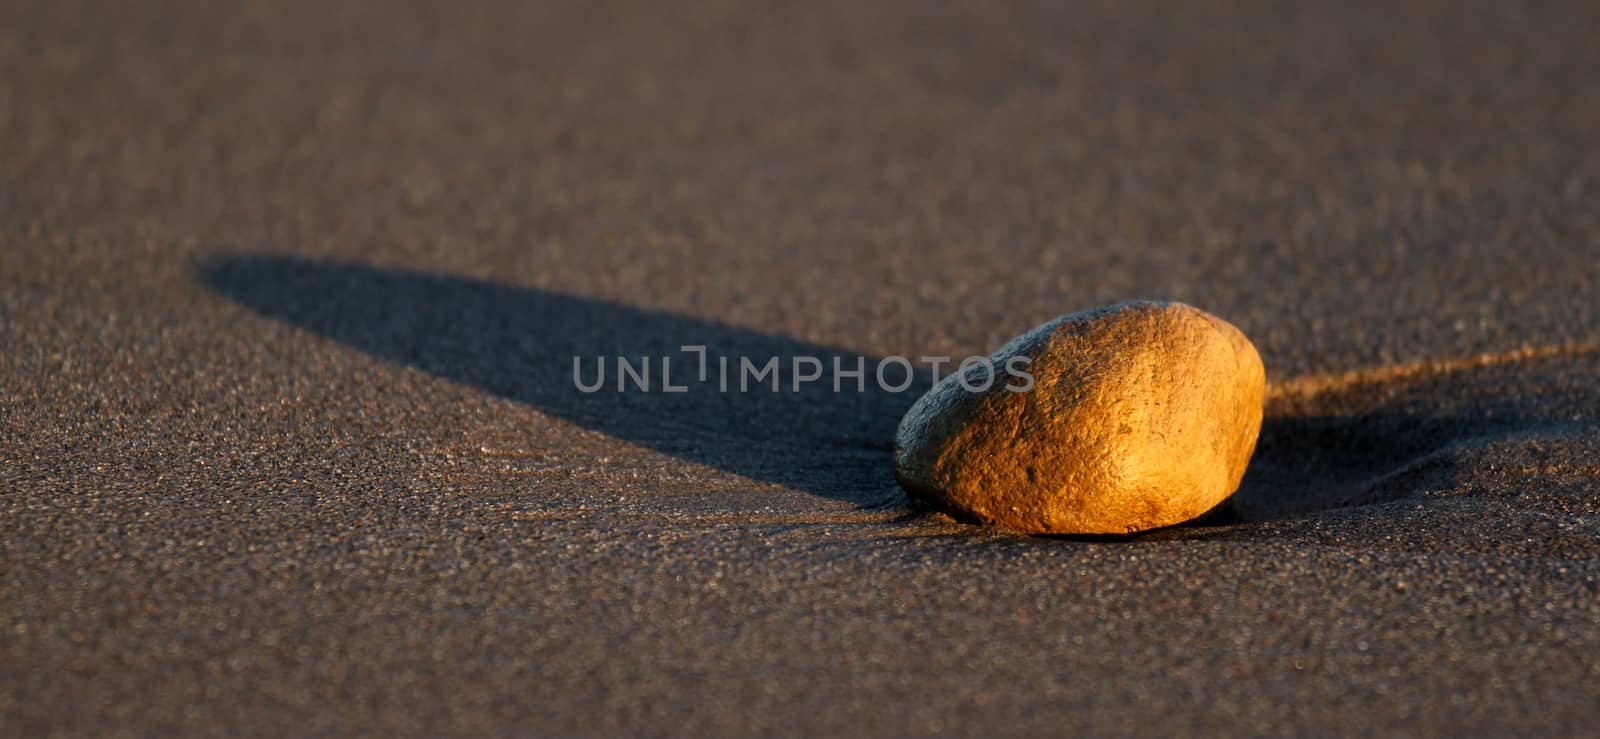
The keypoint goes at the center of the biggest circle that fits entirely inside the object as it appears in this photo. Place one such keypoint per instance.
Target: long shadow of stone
(520, 343)
(1366, 444)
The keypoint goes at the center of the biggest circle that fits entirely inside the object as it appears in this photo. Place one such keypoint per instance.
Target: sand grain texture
(289, 293)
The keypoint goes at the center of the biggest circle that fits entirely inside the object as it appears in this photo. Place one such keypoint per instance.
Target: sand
(289, 294)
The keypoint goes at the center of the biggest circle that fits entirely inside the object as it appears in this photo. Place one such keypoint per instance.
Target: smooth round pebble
(1140, 415)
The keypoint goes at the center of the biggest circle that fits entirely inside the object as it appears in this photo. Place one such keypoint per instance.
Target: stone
(1140, 415)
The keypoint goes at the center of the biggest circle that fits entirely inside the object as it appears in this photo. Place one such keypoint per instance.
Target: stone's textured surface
(1142, 415)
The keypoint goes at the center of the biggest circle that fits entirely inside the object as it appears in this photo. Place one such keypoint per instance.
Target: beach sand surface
(290, 292)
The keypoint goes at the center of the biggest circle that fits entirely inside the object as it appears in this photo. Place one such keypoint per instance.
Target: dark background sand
(288, 292)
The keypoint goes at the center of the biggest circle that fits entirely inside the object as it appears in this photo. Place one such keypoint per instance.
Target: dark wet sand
(289, 292)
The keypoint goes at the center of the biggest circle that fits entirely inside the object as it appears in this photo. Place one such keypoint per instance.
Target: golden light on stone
(1142, 415)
